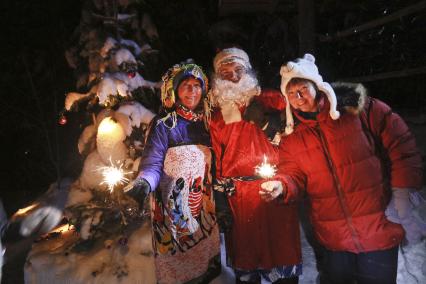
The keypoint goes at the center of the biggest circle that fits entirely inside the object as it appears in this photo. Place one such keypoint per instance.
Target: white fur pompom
(309, 57)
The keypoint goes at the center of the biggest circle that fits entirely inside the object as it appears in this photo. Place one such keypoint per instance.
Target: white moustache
(240, 93)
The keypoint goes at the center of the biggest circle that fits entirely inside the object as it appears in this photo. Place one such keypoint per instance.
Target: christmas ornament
(62, 120)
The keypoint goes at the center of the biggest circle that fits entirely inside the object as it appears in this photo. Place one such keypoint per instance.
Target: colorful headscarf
(174, 76)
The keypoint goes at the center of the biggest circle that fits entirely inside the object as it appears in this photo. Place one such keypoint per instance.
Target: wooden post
(306, 20)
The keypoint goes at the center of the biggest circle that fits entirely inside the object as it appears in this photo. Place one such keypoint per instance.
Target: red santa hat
(229, 55)
(305, 68)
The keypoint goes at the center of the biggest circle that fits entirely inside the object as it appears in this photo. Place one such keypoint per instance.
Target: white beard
(240, 94)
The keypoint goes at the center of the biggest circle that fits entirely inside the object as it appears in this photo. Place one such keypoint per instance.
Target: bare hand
(271, 190)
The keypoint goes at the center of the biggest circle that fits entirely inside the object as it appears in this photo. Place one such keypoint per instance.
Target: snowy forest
(61, 59)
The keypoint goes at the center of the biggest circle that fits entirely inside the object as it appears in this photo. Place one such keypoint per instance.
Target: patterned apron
(185, 232)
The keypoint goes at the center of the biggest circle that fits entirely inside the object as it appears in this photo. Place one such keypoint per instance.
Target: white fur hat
(305, 68)
(229, 55)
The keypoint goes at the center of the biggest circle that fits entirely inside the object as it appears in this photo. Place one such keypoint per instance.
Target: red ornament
(131, 75)
(62, 120)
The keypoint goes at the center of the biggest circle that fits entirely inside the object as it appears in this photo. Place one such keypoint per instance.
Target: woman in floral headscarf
(176, 166)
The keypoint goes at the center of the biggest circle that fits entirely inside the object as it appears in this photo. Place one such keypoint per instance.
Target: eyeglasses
(230, 73)
(298, 93)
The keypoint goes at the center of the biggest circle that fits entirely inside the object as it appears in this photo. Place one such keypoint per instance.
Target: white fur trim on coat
(229, 55)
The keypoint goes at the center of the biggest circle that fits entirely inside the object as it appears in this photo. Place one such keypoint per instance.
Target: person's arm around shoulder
(271, 99)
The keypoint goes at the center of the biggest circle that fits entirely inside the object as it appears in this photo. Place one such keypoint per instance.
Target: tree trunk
(306, 20)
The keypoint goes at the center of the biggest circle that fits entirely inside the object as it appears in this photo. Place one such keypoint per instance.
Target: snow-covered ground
(411, 265)
(309, 276)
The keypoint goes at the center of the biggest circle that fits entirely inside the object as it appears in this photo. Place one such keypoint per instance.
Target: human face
(189, 93)
(302, 95)
(232, 71)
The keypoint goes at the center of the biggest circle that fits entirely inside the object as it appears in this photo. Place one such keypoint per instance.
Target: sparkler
(113, 175)
(265, 170)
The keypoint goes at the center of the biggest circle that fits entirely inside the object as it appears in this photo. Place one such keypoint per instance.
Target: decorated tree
(105, 235)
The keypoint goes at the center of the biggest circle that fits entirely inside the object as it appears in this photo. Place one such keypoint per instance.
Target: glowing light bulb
(108, 125)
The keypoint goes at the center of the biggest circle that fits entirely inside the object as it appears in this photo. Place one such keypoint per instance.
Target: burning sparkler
(265, 170)
(113, 175)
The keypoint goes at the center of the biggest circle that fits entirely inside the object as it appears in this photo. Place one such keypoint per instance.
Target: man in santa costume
(262, 239)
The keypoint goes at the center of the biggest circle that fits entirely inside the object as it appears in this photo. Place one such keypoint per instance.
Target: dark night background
(36, 150)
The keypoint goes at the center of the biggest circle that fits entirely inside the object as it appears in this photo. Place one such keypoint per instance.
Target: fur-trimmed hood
(351, 97)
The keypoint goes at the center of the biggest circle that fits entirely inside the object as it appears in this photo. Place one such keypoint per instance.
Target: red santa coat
(264, 235)
(335, 162)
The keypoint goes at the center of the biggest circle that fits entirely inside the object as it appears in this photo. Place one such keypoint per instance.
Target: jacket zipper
(339, 190)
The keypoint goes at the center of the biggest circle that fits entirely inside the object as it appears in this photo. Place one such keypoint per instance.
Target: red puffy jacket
(335, 161)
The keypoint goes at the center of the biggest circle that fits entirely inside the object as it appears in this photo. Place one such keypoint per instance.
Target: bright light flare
(108, 126)
(23, 211)
(265, 170)
(113, 175)
(63, 228)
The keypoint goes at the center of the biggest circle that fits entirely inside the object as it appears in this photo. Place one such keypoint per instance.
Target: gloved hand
(400, 210)
(224, 216)
(255, 113)
(138, 189)
(49, 214)
(41, 221)
(271, 190)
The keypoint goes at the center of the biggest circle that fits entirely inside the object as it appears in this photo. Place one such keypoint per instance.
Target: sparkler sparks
(265, 170)
(113, 175)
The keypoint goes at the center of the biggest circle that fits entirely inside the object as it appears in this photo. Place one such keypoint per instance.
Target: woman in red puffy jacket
(339, 158)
